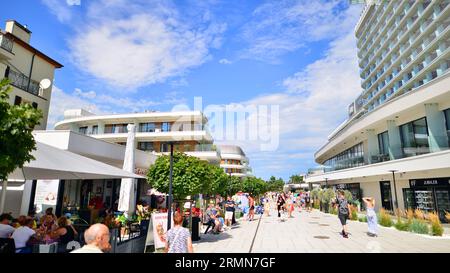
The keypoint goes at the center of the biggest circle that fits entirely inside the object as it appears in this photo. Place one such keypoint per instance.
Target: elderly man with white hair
(97, 240)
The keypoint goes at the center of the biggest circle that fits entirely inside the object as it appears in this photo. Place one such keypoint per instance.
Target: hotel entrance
(430, 195)
(386, 195)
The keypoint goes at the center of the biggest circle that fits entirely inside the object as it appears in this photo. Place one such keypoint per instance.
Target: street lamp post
(169, 211)
(395, 188)
(326, 182)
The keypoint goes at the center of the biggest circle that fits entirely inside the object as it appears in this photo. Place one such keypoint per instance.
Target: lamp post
(395, 188)
(169, 211)
(326, 182)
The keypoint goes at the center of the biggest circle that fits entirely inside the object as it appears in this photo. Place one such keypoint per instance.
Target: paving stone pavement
(299, 235)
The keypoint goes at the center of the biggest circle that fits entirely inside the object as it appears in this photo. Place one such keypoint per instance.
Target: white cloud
(73, 2)
(130, 45)
(278, 27)
(102, 103)
(313, 103)
(60, 9)
(225, 61)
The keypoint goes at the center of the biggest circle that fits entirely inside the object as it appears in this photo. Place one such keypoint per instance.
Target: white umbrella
(54, 163)
(128, 185)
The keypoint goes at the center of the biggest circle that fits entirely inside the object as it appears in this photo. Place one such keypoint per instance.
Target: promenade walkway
(315, 232)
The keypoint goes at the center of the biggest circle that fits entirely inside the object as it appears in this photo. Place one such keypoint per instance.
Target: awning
(416, 164)
(54, 163)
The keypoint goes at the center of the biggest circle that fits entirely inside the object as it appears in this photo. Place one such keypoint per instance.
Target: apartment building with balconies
(234, 161)
(394, 145)
(25, 67)
(154, 131)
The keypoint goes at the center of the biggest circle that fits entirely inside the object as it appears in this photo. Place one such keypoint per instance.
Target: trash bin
(195, 228)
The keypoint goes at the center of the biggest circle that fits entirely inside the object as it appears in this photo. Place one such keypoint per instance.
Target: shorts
(343, 218)
(228, 215)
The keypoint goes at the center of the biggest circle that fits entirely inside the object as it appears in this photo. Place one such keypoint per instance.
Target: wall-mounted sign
(140, 171)
(429, 182)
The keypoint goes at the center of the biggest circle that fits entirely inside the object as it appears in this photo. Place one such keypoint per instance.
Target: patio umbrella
(128, 185)
(54, 163)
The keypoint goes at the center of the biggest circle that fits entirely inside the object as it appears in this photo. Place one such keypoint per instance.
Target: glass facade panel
(164, 148)
(447, 122)
(94, 130)
(116, 128)
(83, 130)
(165, 127)
(383, 143)
(146, 146)
(352, 157)
(147, 127)
(414, 136)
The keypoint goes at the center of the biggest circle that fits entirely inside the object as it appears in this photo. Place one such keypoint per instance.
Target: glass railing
(6, 43)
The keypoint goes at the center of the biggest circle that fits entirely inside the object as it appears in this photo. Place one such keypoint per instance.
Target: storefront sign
(159, 221)
(140, 171)
(430, 182)
(46, 194)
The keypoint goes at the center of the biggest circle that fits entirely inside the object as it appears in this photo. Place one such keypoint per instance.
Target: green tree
(16, 126)
(255, 186)
(190, 175)
(275, 184)
(295, 179)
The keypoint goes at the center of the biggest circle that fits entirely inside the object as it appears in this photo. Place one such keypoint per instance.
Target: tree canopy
(275, 184)
(295, 179)
(16, 126)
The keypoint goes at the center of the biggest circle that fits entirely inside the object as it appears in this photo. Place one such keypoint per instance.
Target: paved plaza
(315, 232)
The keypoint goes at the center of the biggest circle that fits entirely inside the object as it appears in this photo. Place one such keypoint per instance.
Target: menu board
(424, 200)
(46, 194)
(159, 221)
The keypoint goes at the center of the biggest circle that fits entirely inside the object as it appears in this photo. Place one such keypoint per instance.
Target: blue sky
(128, 56)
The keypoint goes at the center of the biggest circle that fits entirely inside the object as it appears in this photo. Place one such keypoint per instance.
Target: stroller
(259, 210)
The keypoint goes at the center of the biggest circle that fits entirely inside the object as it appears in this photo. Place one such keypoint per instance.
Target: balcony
(21, 81)
(6, 46)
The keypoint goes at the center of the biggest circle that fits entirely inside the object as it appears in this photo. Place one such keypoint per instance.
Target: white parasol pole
(128, 185)
(3, 200)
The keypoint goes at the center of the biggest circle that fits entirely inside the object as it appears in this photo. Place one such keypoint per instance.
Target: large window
(414, 136)
(447, 122)
(94, 130)
(116, 128)
(352, 157)
(147, 127)
(165, 127)
(164, 147)
(383, 143)
(83, 130)
(146, 146)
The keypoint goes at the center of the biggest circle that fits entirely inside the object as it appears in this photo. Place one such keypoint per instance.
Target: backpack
(343, 206)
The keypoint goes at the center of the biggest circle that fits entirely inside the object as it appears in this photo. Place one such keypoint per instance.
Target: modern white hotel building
(394, 145)
(234, 161)
(154, 131)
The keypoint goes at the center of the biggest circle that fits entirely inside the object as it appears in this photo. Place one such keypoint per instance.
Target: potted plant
(327, 196)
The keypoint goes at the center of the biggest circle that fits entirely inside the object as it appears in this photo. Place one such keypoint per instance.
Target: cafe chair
(7, 245)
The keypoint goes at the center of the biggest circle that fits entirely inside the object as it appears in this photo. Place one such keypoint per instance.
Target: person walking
(308, 202)
(251, 203)
(178, 238)
(371, 216)
(266, 206)
(280, 204)
(343, 212)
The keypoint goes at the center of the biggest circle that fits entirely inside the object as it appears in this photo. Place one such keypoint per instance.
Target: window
(383, 143)
(116, 128)
(349, 158)
(164, 147)
(147, 127)
(82, 130)
(94, 130)
(414, 136)
(447, 122)
(165, 127)
(146, 146)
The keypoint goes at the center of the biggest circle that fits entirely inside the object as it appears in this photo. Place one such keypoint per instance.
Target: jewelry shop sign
(433, 182)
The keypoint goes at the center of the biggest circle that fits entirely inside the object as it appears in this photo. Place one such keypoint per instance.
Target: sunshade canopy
(54, 163)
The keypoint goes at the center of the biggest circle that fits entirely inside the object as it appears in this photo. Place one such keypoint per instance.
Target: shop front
(431, 194)
(354, 188)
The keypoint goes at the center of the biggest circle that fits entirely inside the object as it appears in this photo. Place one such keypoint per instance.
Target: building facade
(234, 161)
(394, 145)
(26, 67)
(154, 131)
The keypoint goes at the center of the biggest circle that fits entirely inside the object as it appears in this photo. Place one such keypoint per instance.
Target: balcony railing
(21, 81)
(6, 43)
